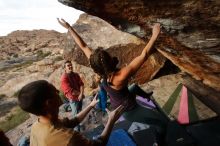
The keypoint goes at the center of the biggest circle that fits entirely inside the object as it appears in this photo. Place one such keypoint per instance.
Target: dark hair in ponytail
(102, 63)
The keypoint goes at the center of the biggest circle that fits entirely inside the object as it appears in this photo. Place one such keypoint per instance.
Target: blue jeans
(76, 107)
(24, 141)
(102, 95)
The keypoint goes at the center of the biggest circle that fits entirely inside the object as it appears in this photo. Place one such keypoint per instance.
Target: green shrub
(63, 97)
(24, 64)
(18, 117)
(15, 55)
(2, 96)
(41, 54)
(16, 93)
(58, 58)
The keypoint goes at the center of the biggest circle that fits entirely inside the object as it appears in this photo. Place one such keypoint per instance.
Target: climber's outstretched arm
(83, 46)
(136, 63)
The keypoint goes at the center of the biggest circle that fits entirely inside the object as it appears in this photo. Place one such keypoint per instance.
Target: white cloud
(34, 14)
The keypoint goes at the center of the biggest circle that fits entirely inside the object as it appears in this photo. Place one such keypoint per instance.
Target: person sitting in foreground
(115, 79)
(42, 99)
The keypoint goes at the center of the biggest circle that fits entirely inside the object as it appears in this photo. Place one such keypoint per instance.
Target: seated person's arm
(78, 139)
(80, 116)
(112, 118)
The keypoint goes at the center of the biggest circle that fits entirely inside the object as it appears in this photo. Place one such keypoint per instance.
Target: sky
(34, 14)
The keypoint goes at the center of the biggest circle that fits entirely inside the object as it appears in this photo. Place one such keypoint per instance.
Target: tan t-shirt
(50, 135)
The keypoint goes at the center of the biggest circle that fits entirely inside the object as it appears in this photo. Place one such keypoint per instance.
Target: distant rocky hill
(22, 43)
(20, 49)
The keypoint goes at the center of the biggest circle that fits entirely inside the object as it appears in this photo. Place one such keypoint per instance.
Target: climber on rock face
(116, 79)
